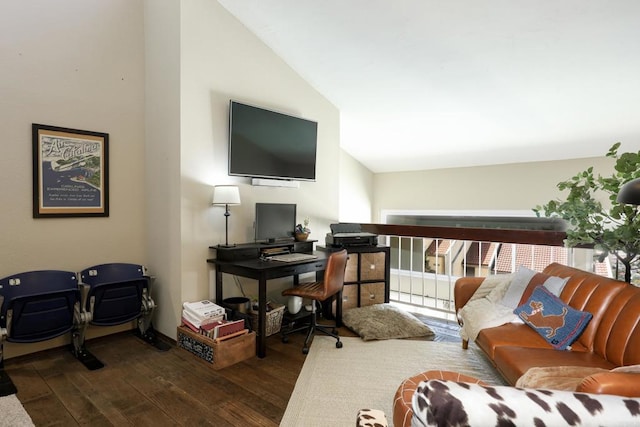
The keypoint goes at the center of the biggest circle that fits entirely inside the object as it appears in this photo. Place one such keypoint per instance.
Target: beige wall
(162, 182)
(511, 187)
(157, 76)
(219, 60)
(355, 189)
(74, 64)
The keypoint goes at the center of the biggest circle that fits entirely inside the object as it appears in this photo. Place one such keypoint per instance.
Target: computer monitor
(275, 222)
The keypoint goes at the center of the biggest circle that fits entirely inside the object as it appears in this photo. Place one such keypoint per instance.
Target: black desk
(262, 271)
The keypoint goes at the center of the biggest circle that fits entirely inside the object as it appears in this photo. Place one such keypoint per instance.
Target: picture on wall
(70, 172)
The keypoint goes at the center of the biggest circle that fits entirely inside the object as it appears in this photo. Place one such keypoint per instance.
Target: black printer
(345, 235)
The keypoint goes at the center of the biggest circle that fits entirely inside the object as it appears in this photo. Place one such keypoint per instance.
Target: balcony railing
(427, 260)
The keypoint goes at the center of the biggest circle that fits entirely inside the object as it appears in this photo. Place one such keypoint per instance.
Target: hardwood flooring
(142, 386)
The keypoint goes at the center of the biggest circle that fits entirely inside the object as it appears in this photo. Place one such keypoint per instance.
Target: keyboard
(292, 257)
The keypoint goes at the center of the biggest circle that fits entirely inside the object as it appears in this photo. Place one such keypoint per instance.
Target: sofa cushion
(437, 403)
(514, 361)
(509, 334)
(554, 320)
(525, 281)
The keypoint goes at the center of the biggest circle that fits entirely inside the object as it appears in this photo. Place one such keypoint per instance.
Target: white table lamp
(226, 195)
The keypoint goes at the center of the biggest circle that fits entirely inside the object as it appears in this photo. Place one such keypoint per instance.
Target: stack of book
(209, 319)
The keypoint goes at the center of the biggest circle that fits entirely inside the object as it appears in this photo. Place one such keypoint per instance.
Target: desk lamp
(630, 193)
(225, 195)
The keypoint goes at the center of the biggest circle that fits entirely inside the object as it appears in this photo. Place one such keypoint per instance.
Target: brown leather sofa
(611, 339)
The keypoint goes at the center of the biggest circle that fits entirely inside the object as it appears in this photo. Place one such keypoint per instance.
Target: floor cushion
(385, 321)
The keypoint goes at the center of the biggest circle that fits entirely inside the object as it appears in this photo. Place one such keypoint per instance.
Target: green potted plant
(302, 230)
(610, 230)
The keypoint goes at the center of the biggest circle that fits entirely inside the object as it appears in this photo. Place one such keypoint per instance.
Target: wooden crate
(371, 293)
(217, 354)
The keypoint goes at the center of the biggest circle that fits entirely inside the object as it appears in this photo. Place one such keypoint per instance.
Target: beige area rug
(12, 412)
(335, 383)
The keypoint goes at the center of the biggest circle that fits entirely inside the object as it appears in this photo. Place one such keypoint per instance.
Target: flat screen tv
(275, 222)
(268, 144)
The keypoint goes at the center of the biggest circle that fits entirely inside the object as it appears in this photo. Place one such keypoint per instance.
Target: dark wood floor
(142, 386)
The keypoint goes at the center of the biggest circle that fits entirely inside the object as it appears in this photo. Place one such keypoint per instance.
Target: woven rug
(12, 412)
(335, 383)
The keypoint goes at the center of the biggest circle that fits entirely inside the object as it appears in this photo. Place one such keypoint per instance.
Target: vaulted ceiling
(424, 84)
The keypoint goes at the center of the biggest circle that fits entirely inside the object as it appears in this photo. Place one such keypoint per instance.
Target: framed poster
(70, 172)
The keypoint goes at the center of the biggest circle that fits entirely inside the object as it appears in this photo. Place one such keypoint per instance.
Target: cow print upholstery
(371, 418)
(449, 403)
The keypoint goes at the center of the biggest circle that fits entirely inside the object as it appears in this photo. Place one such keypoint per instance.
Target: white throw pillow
(526, 277)
(634, 369)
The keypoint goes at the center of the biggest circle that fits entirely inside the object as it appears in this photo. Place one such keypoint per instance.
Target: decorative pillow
(633, 369)
(384, 321)
(554, 320)
(556, 377)
(525, 281)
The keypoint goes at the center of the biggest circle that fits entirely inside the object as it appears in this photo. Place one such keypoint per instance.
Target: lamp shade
(226, 195)
(630, 193)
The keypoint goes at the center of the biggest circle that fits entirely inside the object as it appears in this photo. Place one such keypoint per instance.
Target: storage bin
(217, 354)
(372, 266)
(349, 298)
(273, 320)
(371, 293)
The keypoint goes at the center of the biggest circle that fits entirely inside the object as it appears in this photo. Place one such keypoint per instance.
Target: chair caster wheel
(305, 350)
(339, 344)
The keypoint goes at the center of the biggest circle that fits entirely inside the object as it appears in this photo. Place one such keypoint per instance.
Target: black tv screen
(275, 221)
(268, 144)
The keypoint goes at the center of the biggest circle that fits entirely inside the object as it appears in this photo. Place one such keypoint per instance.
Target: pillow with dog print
(554, 320)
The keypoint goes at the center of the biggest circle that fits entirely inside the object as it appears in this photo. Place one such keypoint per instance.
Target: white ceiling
(424, 84)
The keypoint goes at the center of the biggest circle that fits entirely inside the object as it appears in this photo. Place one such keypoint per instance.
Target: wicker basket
(274, 319)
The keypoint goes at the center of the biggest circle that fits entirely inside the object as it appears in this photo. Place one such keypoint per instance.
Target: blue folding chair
(117, 293)
(37, 306)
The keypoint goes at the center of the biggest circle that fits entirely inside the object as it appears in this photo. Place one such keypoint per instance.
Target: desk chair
(36, 306)
(318, 292)
(118, 293)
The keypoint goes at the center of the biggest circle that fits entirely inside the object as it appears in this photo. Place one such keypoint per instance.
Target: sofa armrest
(616, 383)
(463, 290)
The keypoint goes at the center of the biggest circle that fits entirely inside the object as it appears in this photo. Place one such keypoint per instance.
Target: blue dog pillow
(554, 320)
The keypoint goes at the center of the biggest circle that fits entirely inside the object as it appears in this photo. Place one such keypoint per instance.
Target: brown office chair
(318, 292)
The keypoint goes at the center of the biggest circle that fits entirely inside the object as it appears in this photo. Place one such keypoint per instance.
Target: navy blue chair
(117, 293)
(37, 306)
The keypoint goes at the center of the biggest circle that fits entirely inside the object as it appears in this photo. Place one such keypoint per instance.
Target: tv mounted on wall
(268, 144)
(275, 222)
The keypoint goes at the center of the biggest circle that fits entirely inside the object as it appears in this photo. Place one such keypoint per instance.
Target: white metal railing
(423, 272)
